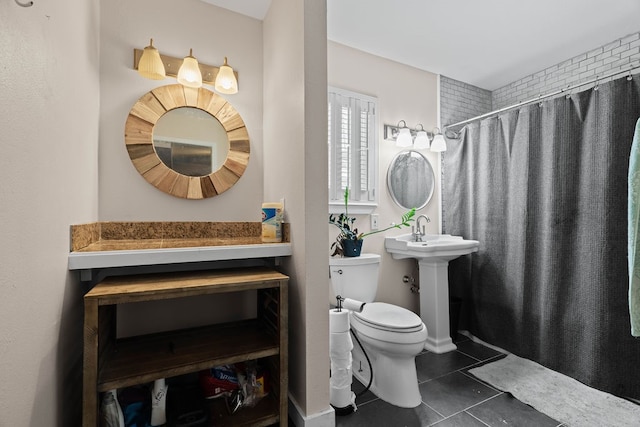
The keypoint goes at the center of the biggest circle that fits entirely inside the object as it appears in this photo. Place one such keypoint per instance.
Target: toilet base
(394, 380)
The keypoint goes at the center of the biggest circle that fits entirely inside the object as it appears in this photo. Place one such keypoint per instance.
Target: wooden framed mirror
(169, 146)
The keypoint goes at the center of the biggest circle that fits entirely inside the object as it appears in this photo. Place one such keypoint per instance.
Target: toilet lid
(389, 317)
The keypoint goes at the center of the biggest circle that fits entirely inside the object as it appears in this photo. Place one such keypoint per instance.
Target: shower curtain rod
(541, 97)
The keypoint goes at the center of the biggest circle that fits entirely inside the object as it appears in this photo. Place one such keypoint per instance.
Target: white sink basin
(444, 247)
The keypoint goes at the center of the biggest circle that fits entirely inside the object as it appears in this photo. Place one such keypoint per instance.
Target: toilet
(392, 336)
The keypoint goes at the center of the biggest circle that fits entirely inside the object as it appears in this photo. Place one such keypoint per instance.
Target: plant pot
(352, 248)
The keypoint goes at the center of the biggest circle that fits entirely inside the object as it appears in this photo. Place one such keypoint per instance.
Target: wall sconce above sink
(420, 139)
(152, 64)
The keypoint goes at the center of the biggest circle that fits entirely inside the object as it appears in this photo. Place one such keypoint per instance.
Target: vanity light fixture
(173, 65)
(418, 138)
(422, 139)
(226, 80)
(189, 73)
(438, 144)
(404, 138)
(150, 65)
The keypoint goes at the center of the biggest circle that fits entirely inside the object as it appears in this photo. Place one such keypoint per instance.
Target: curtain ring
(452, 134)
(568, 95)
(26, 4)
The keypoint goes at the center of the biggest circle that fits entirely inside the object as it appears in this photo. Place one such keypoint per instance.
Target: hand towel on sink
(634, 233)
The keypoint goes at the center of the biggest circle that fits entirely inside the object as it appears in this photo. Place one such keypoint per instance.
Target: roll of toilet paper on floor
(341, 397)
(353, 305)
(338, 321)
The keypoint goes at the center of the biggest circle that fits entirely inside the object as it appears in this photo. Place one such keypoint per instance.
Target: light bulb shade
(189, 74)
(226, 80)
(404, 138)
(150, 65)
(438, 144)
(422, 140)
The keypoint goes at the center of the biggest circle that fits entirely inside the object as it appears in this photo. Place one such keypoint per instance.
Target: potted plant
(349, 242)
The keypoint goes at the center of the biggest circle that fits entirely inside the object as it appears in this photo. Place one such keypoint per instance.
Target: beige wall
(49, 104)
(175, 27)
(124, 194)
(295, 159)
(404, 93)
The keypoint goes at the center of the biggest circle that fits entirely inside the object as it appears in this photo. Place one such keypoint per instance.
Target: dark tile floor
(451, 397)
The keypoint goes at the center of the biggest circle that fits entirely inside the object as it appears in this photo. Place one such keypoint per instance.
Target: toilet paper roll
(338, 321)
(338, 367)
(341, 378)
(340, 344)
(342, 362)
(340, 397)
(353, 305)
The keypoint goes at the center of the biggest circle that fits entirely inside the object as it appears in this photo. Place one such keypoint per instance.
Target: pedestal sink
(433, 254)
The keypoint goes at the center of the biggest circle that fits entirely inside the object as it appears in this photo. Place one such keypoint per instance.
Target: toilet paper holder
(349, 304)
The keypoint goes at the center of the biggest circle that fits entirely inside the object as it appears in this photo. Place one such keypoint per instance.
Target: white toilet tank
(355, 277)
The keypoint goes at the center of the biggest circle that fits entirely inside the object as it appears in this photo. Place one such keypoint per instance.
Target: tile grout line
(460, 370)
(468, 355)
(468, 375)
(464, 410)
(471, 415)
(425, 404)
(455, 370)
(453, 415)
(486, 400)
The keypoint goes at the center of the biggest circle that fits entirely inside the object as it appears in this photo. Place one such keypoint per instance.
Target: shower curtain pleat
(544, 190)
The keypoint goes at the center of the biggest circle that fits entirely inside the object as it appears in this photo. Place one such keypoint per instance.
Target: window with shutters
(353, 151)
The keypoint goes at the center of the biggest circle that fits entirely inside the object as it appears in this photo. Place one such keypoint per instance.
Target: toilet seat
(388, 317)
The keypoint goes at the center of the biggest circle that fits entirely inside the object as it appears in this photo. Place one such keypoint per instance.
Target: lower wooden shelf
(143, 359)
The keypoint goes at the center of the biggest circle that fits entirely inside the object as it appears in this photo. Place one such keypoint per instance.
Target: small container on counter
(272, 217)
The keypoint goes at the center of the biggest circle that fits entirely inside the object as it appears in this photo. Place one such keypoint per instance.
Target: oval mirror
(187, 142)
(410, 179)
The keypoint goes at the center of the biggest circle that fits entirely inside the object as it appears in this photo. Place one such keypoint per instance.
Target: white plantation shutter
(352, 150)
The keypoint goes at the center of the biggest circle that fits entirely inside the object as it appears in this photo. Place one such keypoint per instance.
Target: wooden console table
(112, 363)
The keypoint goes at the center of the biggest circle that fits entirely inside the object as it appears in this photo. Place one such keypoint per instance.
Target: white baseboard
(326, 418)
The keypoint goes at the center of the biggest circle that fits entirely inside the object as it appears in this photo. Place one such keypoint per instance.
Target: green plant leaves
(345, 224)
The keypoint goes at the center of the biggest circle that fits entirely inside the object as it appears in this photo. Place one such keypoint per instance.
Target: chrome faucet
(418, 232)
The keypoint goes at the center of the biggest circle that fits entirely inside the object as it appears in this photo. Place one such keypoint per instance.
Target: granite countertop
(134, 244)
(118, 244)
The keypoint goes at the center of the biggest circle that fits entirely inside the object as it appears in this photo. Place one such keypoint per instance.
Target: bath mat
(558, 396)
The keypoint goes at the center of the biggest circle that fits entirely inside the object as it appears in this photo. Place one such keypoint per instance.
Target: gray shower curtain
(544, 190)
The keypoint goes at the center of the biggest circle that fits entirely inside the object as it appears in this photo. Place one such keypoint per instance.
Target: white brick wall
(619, 55)
(460, 101)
